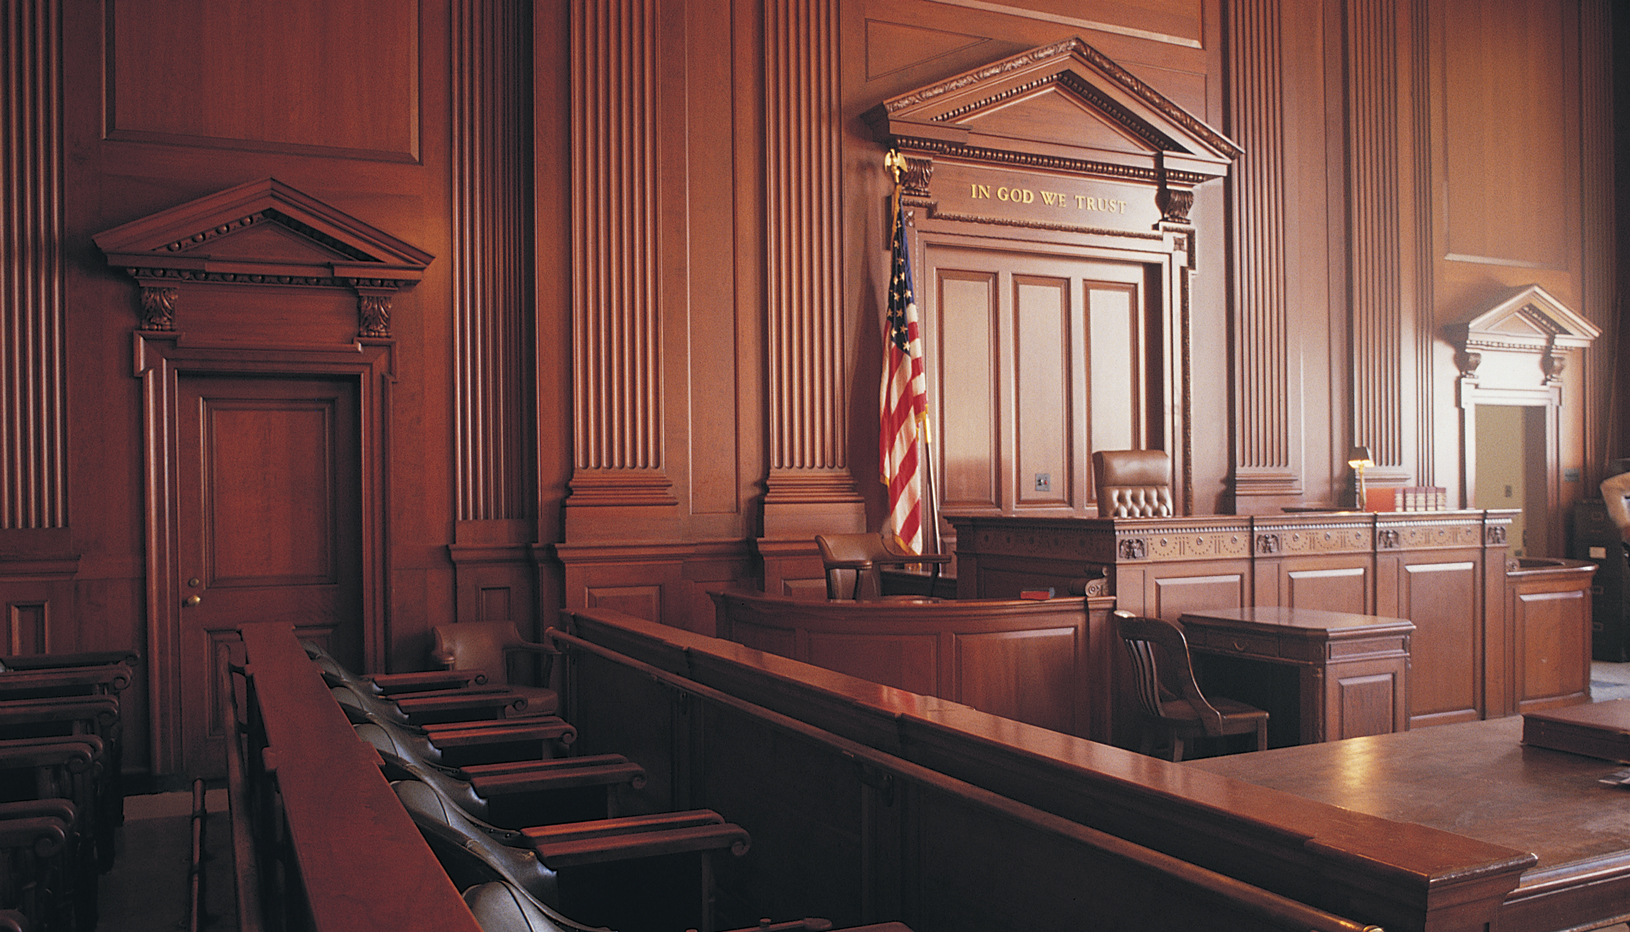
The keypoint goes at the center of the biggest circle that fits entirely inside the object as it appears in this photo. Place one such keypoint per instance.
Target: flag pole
(895, 164)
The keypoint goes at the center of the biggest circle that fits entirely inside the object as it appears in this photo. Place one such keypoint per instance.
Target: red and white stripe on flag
(904, 401)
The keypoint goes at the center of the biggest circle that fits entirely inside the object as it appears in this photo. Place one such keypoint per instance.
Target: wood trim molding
(159, 359)
(33, 402)
(215, 240)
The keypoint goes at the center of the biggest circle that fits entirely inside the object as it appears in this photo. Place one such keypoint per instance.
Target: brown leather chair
(493, 646)
(1168, 697)
(1133, 483)
(854, 564)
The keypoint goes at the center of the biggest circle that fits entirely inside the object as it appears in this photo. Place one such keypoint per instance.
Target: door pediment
(1065, 105)
(1527, 321)
(262, 234)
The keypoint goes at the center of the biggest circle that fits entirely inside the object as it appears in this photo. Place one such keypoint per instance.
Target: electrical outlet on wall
(1044, 482)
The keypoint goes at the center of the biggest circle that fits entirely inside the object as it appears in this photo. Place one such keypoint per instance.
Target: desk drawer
(1234, 642)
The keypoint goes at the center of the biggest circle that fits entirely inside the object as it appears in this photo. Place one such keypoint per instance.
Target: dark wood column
(494, 482)
(36, 579)
(810, 489)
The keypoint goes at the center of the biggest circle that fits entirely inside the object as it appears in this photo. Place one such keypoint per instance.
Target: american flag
(904, 401)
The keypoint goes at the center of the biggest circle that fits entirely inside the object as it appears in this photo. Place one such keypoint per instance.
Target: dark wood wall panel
(286, 75)
(1507, 193)
(1597, 300)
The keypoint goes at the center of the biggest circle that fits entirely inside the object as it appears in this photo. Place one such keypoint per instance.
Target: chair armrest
(109, 678)
(491, 704)
(44, 835)
(78, 753)
(80, 659)
(563, 773)
(60, 809)
(597, 842)
(100, 712)
(391, 684)
(543, 728)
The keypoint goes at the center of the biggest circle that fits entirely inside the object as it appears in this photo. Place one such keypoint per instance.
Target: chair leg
(1262, 735)
(1177, 748)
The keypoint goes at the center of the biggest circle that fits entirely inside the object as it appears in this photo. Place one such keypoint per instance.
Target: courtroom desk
(1478, 780)
(1444, 571)
(1349, 672)
(1025, 659)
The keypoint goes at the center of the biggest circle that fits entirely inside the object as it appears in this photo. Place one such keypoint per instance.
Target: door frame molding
(160, 359)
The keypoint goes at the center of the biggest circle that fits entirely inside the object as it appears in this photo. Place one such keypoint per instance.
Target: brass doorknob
(192, 600)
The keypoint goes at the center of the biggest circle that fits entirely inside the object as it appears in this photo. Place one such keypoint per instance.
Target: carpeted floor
(1609, 681)
(148, 888)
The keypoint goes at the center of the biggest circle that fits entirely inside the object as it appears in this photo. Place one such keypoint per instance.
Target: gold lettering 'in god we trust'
(1056, 199)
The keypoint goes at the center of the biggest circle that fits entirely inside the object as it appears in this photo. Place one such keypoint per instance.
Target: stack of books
(1406, 498)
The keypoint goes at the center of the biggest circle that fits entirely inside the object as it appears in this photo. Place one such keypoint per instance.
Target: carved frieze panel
(262, 234)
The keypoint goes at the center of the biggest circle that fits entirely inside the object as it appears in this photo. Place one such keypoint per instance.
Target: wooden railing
(849, 822)
(320, 841)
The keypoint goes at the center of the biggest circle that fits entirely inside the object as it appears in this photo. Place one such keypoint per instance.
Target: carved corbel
(1467, 361)
(1174, 204)
(919, 171)
(374, 307)
(158, 307)
(1552, 363)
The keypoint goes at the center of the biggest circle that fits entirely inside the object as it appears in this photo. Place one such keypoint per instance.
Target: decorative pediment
(1063, 107)
(262, 234)
(1525, 320)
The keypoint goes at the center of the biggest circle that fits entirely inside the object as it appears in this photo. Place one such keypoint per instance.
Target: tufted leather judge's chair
(1133, 483)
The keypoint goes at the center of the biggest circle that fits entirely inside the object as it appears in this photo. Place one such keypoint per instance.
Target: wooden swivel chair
(1168, 697)
(493, 646)
(854, 564)
(1133, 483)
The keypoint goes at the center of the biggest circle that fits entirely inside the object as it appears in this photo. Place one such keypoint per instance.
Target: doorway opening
(1513, 470)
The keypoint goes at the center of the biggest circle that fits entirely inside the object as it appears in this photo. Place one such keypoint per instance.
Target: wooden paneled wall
(645, 363)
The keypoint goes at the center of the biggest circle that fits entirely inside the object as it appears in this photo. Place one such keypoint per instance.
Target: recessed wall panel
(1041, 315)
(966, 370)
(265, 74)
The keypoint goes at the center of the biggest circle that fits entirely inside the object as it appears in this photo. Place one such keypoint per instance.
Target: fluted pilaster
(1380, 329)
(616, 313)
(33, 479)
(492, 269)
(1267, 403)
(805, 327)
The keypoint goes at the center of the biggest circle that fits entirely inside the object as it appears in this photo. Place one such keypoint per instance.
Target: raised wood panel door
(269, 476)
(1034, 362)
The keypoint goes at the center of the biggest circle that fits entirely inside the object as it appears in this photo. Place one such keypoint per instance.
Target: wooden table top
(1277, 617)
(1475, 779)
